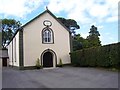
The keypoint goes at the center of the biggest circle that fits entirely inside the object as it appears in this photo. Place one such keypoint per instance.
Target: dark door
(4, 62)
(48, 59)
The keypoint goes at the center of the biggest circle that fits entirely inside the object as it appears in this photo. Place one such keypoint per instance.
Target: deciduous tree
(9, 27)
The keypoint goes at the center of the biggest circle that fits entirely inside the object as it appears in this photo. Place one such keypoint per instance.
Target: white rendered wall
(32, 41)
(14, 59)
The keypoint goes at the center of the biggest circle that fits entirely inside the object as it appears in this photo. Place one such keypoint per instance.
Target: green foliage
(60, 63)
(11, 22)
(85, 43)
(77, 45)
(9, 27)
(38, 66)
(79, 42)
(93, 31)
(91, 41)
(102, 56)
(70, 24)
(93, 37)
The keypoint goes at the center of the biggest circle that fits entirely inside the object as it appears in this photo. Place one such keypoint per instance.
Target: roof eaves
(34, 18)
(15, 34)
(25, 25)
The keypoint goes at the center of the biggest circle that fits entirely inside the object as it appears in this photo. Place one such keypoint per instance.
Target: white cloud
(87, 11)
(112, 19)
(18, 8)
(99, 11)
(59, 5)
(83, 11)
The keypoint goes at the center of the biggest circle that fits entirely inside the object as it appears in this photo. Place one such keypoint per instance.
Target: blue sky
(101, 13)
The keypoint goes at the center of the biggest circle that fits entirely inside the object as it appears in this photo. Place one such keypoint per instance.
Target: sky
(101, 13)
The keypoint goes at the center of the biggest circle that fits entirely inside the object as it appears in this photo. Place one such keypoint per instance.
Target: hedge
(102, 56)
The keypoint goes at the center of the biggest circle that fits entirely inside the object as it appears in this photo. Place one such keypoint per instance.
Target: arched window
(47, 35)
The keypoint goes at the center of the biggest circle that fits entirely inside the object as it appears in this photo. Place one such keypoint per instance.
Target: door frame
(54, 57)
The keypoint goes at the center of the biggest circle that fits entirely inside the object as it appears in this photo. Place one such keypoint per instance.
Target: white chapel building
(43, 37)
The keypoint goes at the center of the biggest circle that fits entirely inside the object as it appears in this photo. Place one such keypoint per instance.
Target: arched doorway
(47, 59)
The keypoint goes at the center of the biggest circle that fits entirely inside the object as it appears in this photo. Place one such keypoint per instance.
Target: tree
(9, 27)
(70, 24)
(93, 37)
(77, 42)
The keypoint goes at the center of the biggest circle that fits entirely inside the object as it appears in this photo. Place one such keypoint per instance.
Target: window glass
(47, 36)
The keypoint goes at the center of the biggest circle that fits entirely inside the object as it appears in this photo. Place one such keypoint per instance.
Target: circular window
(47, 23)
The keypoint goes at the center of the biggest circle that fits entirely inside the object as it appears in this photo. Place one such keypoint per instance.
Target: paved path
(67, 77)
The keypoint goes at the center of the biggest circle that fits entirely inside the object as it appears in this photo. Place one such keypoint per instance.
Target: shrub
(60, 63)
(38, 66)
(102, 56)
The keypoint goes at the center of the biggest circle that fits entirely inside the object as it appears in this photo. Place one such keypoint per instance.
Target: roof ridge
(47, 10)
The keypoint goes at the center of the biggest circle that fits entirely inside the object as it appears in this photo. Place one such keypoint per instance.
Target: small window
(47, 35)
